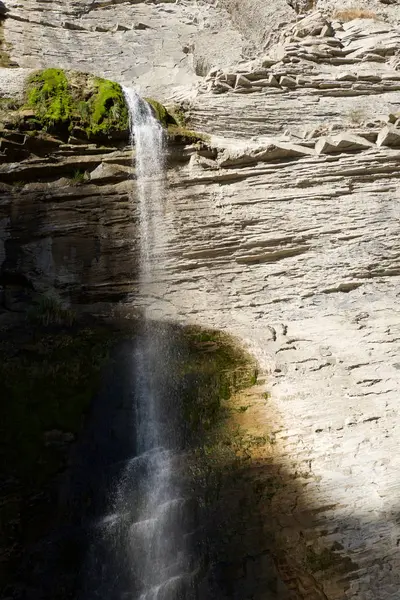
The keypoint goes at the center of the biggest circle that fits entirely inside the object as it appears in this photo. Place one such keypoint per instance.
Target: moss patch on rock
(65, 102)
(107, 108)
(219, 369)
(160, 112)
(175, 120)
(188, 136)
(49, 95)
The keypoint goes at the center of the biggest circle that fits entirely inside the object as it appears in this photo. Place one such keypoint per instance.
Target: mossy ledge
(78, 106)
(66, 103)
(175, 121)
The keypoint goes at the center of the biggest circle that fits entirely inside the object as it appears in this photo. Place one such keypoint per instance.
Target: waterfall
(148, 498)
(139, 547)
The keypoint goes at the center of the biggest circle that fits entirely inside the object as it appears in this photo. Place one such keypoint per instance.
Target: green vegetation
(160, 112)
(107, 108)
(78, 177)
(219, 449)
(220, 369)
(357, 116)
(175, 120)
(48, 310)
(180, 114)
(65, 102)
(177, 131)
(49, 94)
(350, 14)
(7, 104)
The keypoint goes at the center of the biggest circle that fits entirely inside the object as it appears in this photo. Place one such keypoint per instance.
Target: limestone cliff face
(284, 231)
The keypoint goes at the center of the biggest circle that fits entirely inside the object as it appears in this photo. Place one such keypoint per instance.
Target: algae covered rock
(66, 102)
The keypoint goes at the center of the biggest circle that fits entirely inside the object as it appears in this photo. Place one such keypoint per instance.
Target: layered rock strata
(284, 231)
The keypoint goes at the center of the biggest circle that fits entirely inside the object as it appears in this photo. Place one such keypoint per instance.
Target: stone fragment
(327, 31)
(286, 81)
(119, 27)
(109, 173)
(268, 62)
(141, 26)
(247, 90)
(229, 78)
(242, 81)
(311, 25)
(219, 87)
(386, 118)
(373, 57)
(372, 77)
(344, 142)
(256, 74)
(263, 83)
(389, 136)
(346, 76)
(212, 73)
(273, 82)
(277, 53)
(72, 26)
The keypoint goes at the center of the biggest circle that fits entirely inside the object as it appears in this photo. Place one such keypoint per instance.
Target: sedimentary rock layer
(284, 231)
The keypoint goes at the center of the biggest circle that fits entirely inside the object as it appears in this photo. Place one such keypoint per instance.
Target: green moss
(49, 95)
(107, 107)
(219, 369)
(160, 112)
(176, 131)
(78, 177)
(175, 120)
(9, 104)
(90, 107)
(180, 114)
(48, 310)
(64, 102)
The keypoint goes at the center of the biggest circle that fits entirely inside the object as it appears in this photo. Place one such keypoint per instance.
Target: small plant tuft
(350, 14)
(48, 310)
(357, 116)
(78, 177)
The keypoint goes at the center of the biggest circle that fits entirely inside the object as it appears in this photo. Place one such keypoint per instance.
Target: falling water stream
(139, 549)
(155, 539)
(148, 506)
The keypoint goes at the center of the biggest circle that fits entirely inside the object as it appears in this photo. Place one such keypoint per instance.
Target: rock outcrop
(283, 230)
